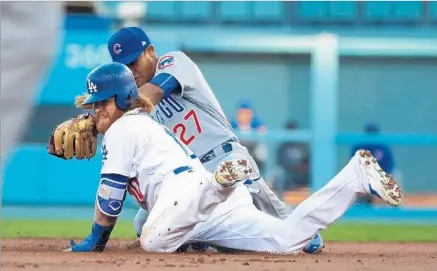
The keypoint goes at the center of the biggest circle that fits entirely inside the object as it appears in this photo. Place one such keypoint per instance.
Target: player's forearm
(152, 92)
(102, 219)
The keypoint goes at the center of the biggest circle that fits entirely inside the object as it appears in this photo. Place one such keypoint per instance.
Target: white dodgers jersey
(145, 151)
(194, 115)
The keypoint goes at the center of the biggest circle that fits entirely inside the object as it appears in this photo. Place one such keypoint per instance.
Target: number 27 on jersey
(184, 134)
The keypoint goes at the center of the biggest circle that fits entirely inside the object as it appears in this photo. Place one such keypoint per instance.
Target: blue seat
(407, 10)
(343, 10)
(198, 10)
(161, 10)
(377, 11)
(316, 10)
(432, 9)
(234, 11)
(270, 11)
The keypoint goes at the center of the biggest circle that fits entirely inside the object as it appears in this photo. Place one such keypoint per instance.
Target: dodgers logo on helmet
(166, 61)
(91, 86)
(116, 48)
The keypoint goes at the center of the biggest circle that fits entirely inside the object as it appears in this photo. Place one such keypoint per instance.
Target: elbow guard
(111, 194)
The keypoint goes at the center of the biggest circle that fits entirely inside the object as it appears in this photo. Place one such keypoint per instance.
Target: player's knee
(150, 245)
(153, 240)
(150, 241)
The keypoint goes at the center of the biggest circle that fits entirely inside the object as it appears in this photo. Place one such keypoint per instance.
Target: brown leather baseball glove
(76, 137)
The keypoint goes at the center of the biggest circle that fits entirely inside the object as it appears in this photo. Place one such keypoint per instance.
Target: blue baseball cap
(127, 44)
(244, 104)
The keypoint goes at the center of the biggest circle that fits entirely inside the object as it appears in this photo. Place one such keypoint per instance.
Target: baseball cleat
(230, 172)
(380, 183)
(315, 246)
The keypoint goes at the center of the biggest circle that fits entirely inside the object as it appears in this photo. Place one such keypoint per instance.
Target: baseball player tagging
(183, 101)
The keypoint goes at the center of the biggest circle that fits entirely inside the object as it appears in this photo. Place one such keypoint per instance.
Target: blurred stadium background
(302, 82)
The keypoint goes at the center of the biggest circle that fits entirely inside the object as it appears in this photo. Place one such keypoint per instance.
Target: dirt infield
(34, 254)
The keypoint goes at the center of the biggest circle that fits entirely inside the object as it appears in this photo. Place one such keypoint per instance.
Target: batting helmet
(111, 80)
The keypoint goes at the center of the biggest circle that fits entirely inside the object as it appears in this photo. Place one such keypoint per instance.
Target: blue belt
(226, 147)
(181, 169)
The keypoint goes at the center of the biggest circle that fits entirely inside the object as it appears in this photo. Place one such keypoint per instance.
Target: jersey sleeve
(179, 66)
(118, 149)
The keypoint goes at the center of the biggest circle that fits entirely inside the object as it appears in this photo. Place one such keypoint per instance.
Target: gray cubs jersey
(193, 114)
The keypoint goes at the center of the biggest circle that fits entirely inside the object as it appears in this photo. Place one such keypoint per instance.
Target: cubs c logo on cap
(166, 61)
(116, 48)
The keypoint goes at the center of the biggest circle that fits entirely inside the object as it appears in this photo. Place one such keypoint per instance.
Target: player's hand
(86, 245)
(95, 242)
(76, 137)
(144, 102)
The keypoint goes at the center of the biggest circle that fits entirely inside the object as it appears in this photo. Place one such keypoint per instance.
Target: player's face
(107, 113)
(244, 116)
(144, 67)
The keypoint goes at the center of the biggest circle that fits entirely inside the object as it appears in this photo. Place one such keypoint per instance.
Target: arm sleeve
(168, 83)
(180, 67)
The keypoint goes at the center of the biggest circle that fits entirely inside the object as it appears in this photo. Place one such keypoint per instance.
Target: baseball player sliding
(186, 202)
(183, 101)
(171, 185)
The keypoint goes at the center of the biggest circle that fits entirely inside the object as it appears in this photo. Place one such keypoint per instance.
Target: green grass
(124, 230)
(59, 229)
(381, 232)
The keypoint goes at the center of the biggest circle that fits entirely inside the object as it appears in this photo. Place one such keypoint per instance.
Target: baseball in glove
(76, 137)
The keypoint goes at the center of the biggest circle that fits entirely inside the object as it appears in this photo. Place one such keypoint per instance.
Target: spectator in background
(247, 122)
(381, 152)
(293, 161)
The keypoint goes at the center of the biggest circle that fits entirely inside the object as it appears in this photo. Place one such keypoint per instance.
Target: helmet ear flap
(123, 101)
(118, 102)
